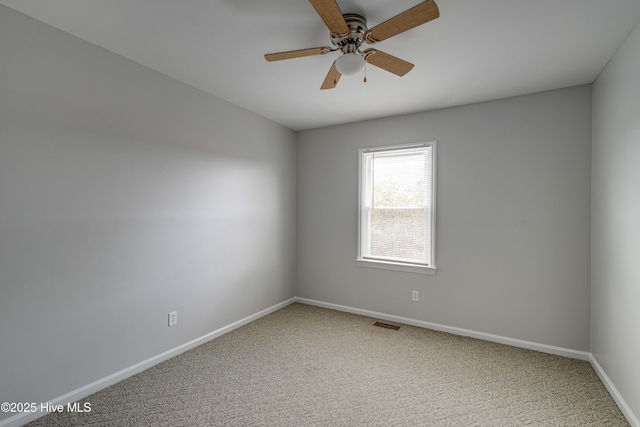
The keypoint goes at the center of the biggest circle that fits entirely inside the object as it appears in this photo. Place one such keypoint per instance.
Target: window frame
(389, 264)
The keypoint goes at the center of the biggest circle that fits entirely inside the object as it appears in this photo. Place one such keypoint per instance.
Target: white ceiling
(475, 51)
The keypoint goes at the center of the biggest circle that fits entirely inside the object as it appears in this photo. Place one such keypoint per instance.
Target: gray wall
(513, 219)
(615, 211)
(125, 195)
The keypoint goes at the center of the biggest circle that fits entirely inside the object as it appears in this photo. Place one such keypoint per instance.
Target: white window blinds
(397, 205)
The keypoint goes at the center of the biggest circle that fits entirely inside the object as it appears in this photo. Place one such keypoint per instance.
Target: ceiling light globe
(350, 63)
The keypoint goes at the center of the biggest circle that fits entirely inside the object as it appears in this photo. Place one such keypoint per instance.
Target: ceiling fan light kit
(349, 31)
(350, 63)
(352, 59)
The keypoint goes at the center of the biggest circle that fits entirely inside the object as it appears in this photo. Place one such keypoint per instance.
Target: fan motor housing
(357, 27)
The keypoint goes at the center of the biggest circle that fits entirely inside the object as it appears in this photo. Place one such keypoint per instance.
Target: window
(396, 221)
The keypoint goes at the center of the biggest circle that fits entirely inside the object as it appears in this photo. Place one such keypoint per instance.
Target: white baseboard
(77, 394)
(613, 391)
(544, 348)
(21, 419)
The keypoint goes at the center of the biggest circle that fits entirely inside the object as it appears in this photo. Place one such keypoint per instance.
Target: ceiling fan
(349, 31)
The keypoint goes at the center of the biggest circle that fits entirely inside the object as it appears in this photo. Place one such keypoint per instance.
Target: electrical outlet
(415, 296)
(173, 318)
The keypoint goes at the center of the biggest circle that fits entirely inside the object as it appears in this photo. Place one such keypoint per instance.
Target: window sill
(386, 265)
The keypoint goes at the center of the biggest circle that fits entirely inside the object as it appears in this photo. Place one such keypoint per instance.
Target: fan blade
(330, 13)
(296, 53)
(388, 62)
(418, 15)
(332, 78)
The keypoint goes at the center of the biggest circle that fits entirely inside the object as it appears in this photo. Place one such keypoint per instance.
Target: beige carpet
(309, 366)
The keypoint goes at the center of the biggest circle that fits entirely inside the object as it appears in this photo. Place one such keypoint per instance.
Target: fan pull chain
(365, 70)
